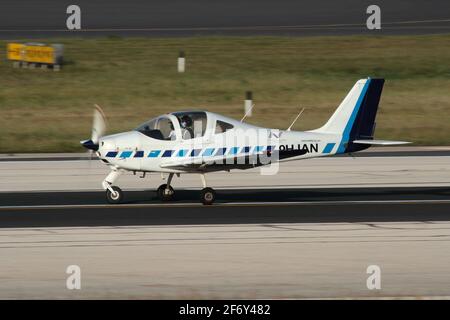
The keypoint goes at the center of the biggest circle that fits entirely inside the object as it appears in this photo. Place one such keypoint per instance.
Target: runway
(237, 261)
(50, 192)
(312, 233)
(45, 18)
(337, 172)
(82, 209)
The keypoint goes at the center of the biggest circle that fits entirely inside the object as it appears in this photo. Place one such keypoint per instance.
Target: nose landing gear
(114, 197)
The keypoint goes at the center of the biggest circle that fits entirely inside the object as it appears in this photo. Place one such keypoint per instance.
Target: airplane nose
(89, 144)
(107, 144)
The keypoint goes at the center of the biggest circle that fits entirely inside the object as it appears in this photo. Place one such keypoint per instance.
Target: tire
(163, 196)
(207, 196)
(114, 198)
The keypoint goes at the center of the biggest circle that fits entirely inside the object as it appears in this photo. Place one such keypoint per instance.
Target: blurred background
(290, 54)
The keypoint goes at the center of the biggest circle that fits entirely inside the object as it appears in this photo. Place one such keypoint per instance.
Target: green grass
(136, 79)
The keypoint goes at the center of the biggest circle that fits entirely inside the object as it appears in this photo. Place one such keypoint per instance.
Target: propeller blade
(99, 125)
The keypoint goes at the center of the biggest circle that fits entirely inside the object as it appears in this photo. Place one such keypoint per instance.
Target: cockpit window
(193, 124)
(159, 128)
(222, 126)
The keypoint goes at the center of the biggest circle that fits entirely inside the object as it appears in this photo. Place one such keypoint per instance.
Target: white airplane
(202, 142)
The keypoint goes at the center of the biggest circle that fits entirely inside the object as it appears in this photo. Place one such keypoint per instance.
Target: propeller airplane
(202, 142)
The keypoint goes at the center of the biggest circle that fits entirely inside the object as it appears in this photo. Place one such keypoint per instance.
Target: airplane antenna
(248, 111)
(295, 120)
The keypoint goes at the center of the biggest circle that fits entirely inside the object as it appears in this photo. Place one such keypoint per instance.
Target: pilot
(186, 127)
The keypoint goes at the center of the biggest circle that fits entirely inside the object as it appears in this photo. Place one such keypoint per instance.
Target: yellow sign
(15, 51)
(39, 54)
(36, 53)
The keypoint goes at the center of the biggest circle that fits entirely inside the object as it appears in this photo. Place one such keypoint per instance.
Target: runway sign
(39, 54)
(35, 53)
(15, 51)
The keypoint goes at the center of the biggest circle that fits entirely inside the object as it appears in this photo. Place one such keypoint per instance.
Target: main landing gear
(166, 192)
(207, 195)
(115, 195)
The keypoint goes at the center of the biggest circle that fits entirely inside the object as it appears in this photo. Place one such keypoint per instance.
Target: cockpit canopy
(187, 125)
(158, 128)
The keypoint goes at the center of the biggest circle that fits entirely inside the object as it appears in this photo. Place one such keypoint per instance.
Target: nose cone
(89, 144)
(120, 141)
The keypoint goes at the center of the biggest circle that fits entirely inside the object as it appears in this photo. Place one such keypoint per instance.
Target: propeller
(98, 129)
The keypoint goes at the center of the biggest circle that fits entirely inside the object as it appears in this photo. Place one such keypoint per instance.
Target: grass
(136, 79)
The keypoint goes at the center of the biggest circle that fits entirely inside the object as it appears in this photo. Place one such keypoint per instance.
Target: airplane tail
(355, 117)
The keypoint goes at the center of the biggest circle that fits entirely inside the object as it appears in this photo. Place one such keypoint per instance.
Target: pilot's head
(186, 121)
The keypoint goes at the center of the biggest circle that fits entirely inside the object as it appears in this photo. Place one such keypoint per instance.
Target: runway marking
(230, 204)
(248, 28)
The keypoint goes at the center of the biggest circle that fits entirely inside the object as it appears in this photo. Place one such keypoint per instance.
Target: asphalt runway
(303, 233)
(81, 209)
(235, 261)
(47, 18)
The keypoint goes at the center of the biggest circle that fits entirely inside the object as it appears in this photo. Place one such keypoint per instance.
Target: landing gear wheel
(165, 194)
(114, 197)
(207, 196)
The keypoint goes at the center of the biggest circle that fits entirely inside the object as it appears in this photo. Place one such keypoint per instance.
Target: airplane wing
(204, 162)
(244, 161)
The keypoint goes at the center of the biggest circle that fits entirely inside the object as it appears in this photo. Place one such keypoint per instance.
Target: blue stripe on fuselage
(126, 154)
(328, 147)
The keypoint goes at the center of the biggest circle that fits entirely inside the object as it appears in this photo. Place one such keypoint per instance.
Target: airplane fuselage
(136, 152)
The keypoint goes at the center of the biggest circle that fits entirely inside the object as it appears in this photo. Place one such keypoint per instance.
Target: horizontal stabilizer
(380, 142)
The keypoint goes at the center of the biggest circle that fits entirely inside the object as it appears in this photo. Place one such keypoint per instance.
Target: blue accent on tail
(351, 120)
